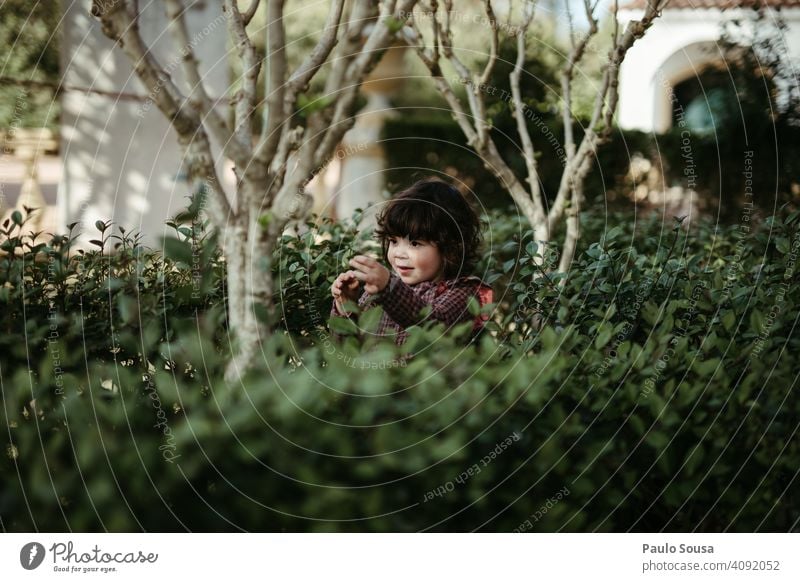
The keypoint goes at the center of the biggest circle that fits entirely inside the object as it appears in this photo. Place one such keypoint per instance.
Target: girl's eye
(416, 243)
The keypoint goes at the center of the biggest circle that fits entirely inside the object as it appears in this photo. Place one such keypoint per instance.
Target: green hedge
(654, 390)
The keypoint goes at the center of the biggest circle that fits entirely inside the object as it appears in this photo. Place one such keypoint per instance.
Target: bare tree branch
(579, 157)
(613, 97)
(119, 22)
(519, 110)
(324, 130)
(273, 130)
(198, 96)
(379, 39)
(352, 29)
(567, 76)
(431, 60)
(300, 79)
(604, 108)
(572, 180)
(474, 96)
(251, 11)
(251, 66)
(634, 31)
(298, 83)
(437, 41)
(470, 125)
(494, 42)
(497, 165)
(481, 121)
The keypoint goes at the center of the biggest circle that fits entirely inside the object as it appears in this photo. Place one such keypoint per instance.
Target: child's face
(415, 261)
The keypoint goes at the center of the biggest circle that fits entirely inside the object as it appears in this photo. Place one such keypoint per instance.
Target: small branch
(493, 161)
(437, 42)
(519, 110)
(352, 33)
(120, 23)
(251, 12)
(575, 57)
(497, 165)
(58, 87)
(614, 82)
(487, 70)
(474, 97)
(431, 60)
(571, 175)
(273, 131)
(633, 32)
(198, 96)
(511, 11)
(251, 66)
(380, 38)
(481, 121)
(568, 178)
(573, 218)
(299, 81)
(605, 104)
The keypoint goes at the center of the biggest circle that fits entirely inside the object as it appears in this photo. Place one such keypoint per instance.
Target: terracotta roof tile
(719, 4)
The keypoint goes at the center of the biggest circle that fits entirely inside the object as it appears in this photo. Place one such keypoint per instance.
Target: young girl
(430, 238)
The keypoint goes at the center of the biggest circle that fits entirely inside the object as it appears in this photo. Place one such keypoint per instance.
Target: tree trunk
(240, 318)
(573, 230)
(233, 245)
(248, 254)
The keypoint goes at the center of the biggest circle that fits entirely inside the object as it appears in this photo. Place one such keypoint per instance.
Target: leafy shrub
(58, 296)
(649, 389)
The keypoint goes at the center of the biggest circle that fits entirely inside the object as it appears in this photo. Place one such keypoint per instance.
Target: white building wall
(676, 47)
(121, 159)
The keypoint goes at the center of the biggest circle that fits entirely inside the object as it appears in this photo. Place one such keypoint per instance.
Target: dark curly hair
(434, 211)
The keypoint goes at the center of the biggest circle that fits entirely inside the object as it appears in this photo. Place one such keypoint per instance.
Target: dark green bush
(653, 390)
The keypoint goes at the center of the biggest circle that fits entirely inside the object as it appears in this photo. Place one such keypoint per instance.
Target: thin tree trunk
(233, 244)
(573, 230)
(249, 283)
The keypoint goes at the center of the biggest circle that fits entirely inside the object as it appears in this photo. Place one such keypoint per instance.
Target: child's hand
(345, 288)
(374, 275)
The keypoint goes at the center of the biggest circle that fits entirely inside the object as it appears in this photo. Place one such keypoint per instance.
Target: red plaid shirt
(403, 303)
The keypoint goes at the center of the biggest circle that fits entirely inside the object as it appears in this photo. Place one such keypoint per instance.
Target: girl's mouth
(404, 270)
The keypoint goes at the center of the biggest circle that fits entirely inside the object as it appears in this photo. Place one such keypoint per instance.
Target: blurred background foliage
(29, 33)
(752, 91)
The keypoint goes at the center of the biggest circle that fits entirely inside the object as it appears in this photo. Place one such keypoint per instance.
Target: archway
(682, 78)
